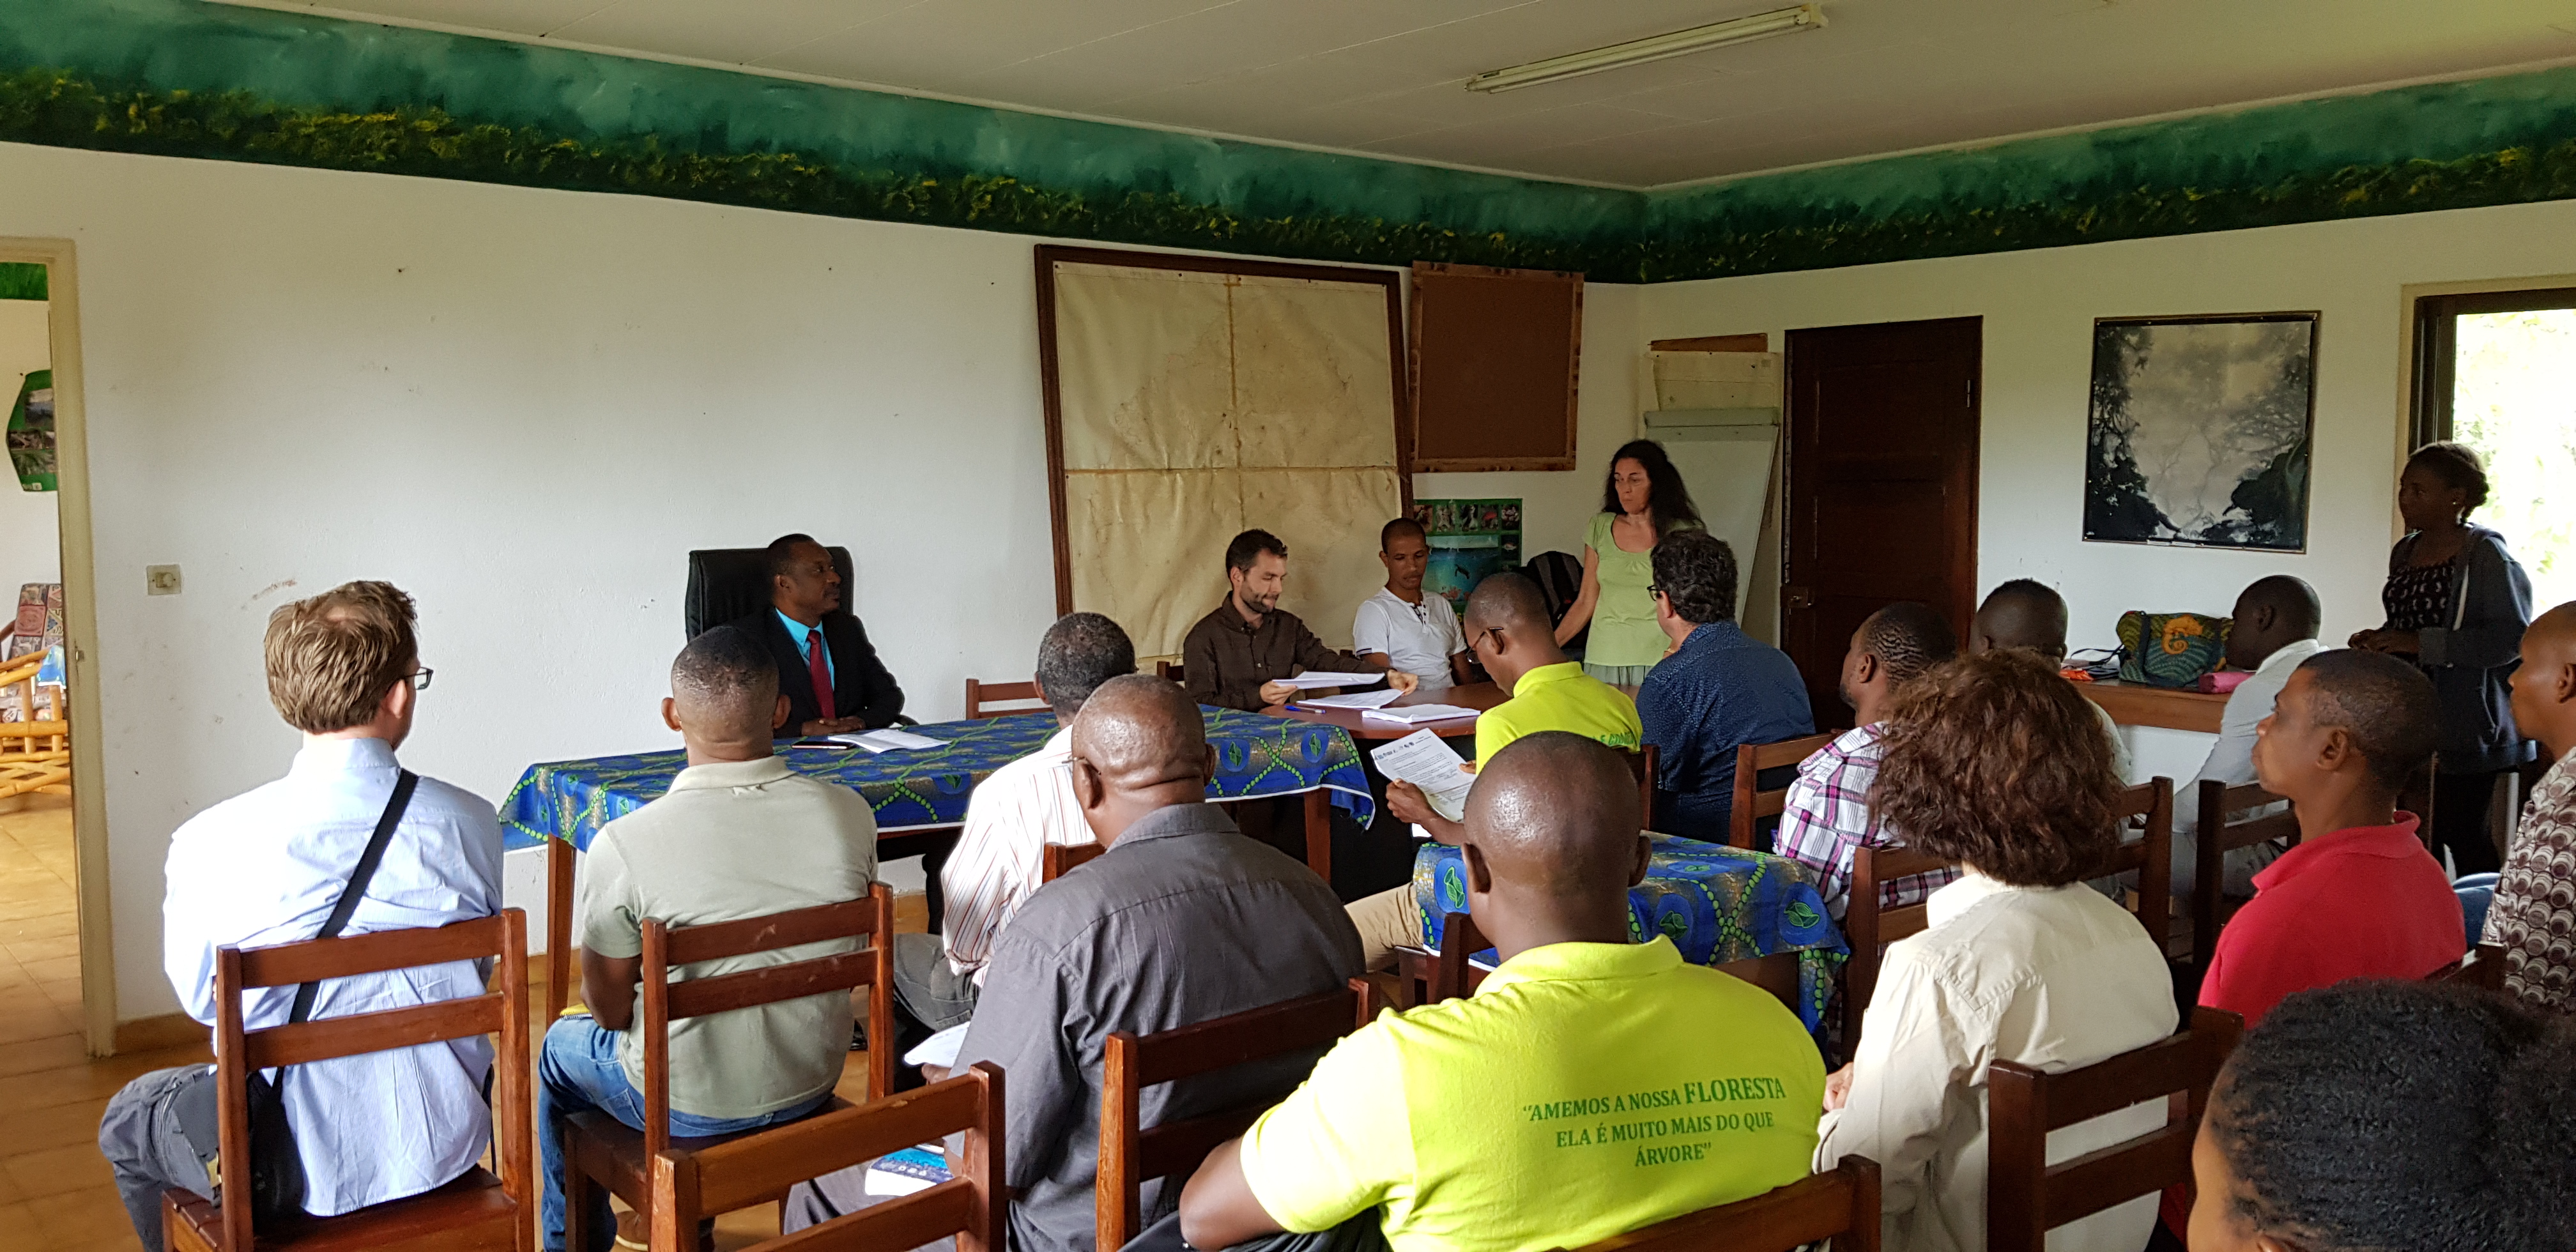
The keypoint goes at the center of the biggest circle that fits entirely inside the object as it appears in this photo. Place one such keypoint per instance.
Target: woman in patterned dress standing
(2457, 604)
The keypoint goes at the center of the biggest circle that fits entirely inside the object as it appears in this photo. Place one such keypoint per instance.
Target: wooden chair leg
(579, 1194)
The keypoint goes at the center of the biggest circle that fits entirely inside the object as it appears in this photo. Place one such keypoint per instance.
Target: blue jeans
(577, 1070)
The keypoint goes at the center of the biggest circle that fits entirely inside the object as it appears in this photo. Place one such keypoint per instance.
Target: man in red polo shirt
(2359, 897)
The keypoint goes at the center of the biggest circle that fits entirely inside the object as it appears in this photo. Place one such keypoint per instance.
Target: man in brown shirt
(1235, 656)
(2533, 916)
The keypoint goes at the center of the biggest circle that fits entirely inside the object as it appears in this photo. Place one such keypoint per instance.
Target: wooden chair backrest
(744, 1172)
(2216, 838)
(982, 696)
(1060, 858)
(2026, 1197)
(1168, 671)
(1427, 978)
(1752, 804)
(1841, 1205)
(2481, 966)
(1869, 928)
(1132, 1153)
(501, 939)
(1641, 762)
(869, 919)
(2150, 856)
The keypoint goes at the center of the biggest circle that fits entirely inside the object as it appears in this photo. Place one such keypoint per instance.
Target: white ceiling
(1383, 76)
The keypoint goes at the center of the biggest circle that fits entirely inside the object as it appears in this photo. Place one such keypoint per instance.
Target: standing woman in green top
(1643, 501)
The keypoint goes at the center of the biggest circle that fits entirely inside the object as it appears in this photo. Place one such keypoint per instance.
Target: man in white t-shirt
(1400, 627)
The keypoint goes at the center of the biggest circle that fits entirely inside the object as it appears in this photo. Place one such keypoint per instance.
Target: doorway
(2495, 370)
(1881, 484)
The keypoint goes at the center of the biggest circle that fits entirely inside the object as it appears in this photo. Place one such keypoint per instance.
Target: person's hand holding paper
(1428, 783)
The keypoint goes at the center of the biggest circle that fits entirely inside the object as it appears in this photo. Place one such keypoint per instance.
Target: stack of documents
(1416, 714)
(1313, 679)
(1379, 698)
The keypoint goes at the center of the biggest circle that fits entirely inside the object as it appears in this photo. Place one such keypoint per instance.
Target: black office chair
(727, 583)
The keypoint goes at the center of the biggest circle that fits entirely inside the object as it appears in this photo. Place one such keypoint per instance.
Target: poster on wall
(2201, 431)
(31, 432)
(1469, 539)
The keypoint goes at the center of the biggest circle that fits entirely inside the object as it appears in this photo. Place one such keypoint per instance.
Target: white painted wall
(2039, 309)
(30, 537)
(524, 407)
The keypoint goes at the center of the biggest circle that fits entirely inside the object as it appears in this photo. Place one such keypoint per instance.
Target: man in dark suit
(841, 687)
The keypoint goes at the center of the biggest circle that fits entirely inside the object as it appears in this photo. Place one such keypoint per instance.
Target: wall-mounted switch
(161, 580)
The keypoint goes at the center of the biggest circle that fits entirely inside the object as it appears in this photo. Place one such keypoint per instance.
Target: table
(2174, 708)
(1717, 904)
(1477, 696)
(565, 803)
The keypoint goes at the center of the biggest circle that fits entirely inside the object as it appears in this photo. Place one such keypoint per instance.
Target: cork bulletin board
(1494, 368)
(1190, 398)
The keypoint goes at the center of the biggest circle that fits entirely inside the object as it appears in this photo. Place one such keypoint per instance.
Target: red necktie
(821, 668)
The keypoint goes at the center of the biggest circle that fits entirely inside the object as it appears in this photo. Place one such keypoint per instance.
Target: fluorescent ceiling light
(1652, 48)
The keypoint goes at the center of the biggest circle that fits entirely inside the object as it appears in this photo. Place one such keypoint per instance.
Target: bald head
(1140, 731)
(1508, 602)
(2021, 614)
(1556, 815)
(2544, 686)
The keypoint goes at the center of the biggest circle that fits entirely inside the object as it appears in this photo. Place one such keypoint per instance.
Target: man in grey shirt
(1183, 920)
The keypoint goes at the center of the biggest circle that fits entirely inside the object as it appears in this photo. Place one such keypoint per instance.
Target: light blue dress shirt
(807, 638)
(265, 867)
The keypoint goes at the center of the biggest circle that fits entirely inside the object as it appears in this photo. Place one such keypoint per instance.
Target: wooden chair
(1168, 671)
(1132, 1154)
(599, 1150)
(1841, 1206)
(2218, 837)
(982, 696)
(2149, 856)
(2481, 966)
(1869, 928)
(36, 753)
(475, 1211)
(1060, 858)
(1426, 977)
(1752, 804)
(689, 1186)
(2026, 1196)
(1641, 762)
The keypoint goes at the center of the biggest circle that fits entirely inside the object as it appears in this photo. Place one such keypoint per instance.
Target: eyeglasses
(1653, 590)
(419, 678)
(1481, 635)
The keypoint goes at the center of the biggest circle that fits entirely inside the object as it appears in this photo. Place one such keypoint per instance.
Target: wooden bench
(599, 1150)
(477, 1210)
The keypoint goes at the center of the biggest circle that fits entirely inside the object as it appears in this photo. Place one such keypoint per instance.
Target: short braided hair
(1908, 639)
(2457, 465)
(2400, 1115)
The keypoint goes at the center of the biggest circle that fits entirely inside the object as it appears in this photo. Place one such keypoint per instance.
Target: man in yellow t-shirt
(1508, 630)
(1590, 1086)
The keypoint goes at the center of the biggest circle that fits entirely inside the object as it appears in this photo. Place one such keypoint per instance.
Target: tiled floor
(55, 1192)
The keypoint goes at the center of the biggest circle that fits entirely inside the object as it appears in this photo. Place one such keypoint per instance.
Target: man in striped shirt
(1828, 814)
(1011, 818)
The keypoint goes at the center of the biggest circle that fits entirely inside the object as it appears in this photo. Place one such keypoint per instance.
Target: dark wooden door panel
(1882, 484)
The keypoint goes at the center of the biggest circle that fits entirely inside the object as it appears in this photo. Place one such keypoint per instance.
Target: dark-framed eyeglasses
(1653, 590)
(419, 678)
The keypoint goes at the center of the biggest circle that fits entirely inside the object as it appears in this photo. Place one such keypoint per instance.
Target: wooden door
(1882, 485)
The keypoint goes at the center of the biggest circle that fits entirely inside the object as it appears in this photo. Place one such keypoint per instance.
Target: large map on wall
(1193, 403)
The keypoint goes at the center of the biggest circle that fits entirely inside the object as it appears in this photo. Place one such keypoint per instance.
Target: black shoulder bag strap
(276, 1167)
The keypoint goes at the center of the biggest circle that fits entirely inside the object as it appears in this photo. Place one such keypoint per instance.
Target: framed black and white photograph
(2201, 431)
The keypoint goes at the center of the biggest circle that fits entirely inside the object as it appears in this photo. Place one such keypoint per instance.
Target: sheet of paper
(1422, 759)
(939, 1049)
(1416, 714)
(891, 740)
(1355, 700)
(1312, 679)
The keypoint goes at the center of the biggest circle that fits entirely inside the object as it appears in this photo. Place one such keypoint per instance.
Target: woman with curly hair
(1995, 763)
(2457, 605)
(2395, 1117)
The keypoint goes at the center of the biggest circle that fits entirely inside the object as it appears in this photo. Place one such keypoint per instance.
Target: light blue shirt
(265, 867)
(807, 639)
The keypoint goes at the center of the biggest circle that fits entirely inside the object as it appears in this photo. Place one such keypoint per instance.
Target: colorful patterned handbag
(2170, 649)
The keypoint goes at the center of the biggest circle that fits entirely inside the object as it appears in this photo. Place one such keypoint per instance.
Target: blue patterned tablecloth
(1716, 903)
(1255, 756)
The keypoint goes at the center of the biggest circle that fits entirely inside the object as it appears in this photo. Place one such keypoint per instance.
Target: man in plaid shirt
(1828, 812)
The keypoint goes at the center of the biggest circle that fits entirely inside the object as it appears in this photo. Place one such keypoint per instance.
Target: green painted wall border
(22, 280)
(187, 78)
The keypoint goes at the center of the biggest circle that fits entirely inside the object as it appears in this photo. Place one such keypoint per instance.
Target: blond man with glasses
(268, 867)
